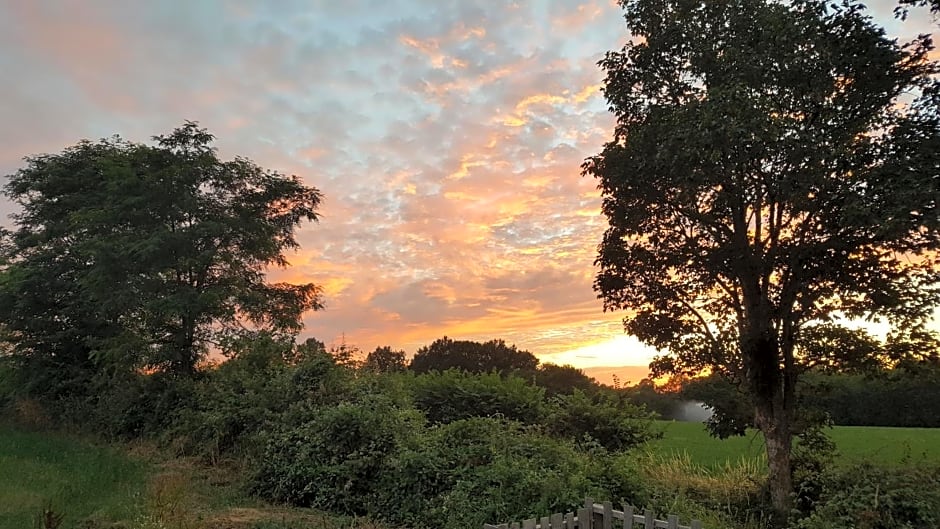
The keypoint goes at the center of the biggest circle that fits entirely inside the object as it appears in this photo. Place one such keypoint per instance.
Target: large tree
(473, 357)
(775, 167)
(135, 255)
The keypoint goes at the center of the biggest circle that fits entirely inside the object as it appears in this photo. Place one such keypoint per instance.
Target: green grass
(86, 484)
(101, 487)
(891, 446)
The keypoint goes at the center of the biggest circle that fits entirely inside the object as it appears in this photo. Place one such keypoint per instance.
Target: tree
(473, 357)
(385, 360)
(774, 166)
(563, 380)
(904, 5)
(145, 256)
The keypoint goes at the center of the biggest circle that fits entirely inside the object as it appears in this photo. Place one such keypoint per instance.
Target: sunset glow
(446, 136)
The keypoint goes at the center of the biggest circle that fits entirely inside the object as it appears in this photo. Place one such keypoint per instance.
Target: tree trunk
(771, 389)
(773, 421)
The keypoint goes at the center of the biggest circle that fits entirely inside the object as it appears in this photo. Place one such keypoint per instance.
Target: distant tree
(774, 165)
(645, 393)
(564, 379)
(145, 256)
(346, 354)
(385, 360)
(473, 357)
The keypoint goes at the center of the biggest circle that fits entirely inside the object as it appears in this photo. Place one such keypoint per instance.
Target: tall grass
(87, 485)
(726, 495)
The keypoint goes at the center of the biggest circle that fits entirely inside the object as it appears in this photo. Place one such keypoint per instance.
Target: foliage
(127, 255)
(454, 394)
(558, 380)
(332, 460)
(236, 400)
(614, 425)
(904, 5)
(766, 175)
(644, 393)
(732, 411)
(385, 360)
(473, 357)
(369, 458)
(870, 497)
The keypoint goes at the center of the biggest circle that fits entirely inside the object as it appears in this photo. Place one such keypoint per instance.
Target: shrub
(869, 497)
(615, 425)
(334, 459)
(454, 395)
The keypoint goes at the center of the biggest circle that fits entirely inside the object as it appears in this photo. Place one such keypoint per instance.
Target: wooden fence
(600, 516)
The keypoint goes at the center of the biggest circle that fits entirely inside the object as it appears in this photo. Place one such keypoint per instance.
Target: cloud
(446, 136)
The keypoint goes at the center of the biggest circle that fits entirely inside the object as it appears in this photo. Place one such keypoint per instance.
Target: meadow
(889, 446)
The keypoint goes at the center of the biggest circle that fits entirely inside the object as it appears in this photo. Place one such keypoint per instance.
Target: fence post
(628, 517)
(584, 518)
(649, 521)
(672, 522)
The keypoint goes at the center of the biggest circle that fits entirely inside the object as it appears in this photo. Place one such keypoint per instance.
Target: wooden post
(570, 521)
(672, 522)
(628, 517)
(528, 524)
(649, 521)
(584, 518)
(608, 521)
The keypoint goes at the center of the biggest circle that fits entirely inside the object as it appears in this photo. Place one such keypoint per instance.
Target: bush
(527, 474)
(615, 425)
(454, 395)
(335, 459)
(134, 405)
(869, 497)
(266, 384)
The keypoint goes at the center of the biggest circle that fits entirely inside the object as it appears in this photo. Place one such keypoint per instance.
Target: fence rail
(599, 516)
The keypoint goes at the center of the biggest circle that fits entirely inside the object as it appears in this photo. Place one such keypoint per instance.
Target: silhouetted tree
(564, 379)
(133, 255)
(473, 357)
(766, 175)
(385, 360)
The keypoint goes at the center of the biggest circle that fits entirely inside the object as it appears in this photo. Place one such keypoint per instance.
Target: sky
(445, 135)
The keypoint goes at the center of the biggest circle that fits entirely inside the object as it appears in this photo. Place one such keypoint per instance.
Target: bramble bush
(866, 496)
(374, 458)
(454, 394)
(614, 424)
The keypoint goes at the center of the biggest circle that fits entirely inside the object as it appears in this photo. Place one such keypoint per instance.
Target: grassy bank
(83, 483)
(891, 446)
(92, 486)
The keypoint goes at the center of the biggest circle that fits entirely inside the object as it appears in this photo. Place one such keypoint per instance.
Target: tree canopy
(775, 166)
(473, 357)
(145, 256)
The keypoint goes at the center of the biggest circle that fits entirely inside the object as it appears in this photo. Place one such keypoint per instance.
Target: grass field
(82, 482)
(854, 443)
